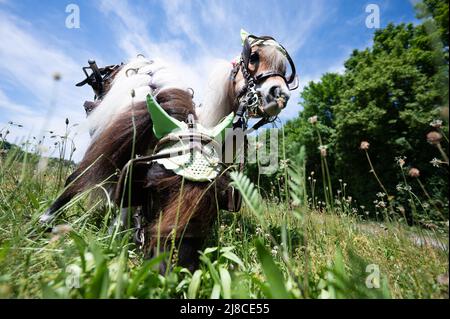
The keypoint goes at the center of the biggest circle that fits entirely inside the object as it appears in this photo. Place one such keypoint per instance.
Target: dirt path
(425, 239)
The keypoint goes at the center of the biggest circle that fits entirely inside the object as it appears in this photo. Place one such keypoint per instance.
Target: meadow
(289, 247)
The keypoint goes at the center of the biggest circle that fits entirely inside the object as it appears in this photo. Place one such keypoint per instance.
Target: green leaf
(225, 279)
(143, 273)
(272, 272)
(232, 256)
(215, 293)
(210, 250)
(195, 284)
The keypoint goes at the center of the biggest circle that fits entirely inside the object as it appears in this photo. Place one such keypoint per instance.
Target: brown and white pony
(121, 123)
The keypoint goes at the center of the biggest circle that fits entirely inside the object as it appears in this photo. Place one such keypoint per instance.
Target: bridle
(248, 99)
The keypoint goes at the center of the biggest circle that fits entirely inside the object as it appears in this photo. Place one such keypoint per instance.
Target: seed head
(436, 162)
(434, 138)
(323, 150)
(400, 160)
(364, 145)
(436, 123)
(67, 121)
(414, 172)
(313, 119)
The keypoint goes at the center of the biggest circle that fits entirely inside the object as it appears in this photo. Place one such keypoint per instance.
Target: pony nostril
(278, 96)
(275, 91)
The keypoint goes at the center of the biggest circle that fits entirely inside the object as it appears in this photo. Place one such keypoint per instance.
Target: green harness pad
(196, 164)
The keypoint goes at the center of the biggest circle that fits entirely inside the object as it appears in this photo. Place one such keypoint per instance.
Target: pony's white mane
(157, 74)
(150, 75)
(216, 104)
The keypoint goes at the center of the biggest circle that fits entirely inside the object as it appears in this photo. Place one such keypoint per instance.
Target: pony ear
(244, 35)
(163, 123)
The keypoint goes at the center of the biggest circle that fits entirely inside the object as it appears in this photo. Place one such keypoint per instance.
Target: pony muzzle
(275, 105)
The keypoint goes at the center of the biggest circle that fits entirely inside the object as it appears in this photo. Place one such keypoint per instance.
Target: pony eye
(254, 58)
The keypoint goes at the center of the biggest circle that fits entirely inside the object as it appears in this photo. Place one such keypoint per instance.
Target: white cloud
(213, 27)
(29, 62)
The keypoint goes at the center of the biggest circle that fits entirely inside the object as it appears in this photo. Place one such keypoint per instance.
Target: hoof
(44, 222)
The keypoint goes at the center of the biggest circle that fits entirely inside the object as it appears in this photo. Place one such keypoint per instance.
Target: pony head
(268, 65)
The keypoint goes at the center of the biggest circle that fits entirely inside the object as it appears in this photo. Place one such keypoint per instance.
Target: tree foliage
(388, 95)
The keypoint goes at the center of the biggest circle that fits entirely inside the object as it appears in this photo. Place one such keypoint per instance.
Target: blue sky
(35, 43)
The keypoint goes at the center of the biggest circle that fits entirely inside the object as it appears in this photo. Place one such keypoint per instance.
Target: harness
(99, 79)
(187, 149)
(249, 100)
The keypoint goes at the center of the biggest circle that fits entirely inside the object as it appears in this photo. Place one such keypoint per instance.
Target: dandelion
(313, 119)
(400, 187)
(323, 150)
(434, 137)
(364, 145)
(436, 162)
(414, 172)
(381, 204)
(436, 123)
(400, 160)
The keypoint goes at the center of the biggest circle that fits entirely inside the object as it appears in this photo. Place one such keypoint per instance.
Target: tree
(388, 95)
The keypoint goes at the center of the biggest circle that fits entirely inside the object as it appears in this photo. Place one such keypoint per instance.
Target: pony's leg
(120, 221)
(188, 253)
(50, 213)
(62, 200)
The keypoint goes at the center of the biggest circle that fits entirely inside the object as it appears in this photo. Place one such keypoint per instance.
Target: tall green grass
(272, 248)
